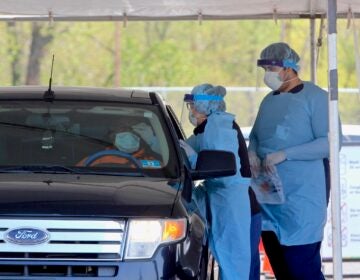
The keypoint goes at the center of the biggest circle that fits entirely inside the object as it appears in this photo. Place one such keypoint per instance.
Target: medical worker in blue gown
(290, 136)
(229, 232)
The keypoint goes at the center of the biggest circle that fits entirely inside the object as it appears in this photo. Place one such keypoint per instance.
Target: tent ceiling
(167, 9)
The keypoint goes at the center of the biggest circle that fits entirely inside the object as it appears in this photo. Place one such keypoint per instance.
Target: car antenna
(49, 95)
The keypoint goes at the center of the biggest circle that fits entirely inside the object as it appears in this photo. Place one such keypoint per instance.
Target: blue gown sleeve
(253, 143)
(319, 147)
(192, 141)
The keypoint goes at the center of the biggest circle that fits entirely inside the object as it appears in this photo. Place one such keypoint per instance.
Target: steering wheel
(112, 152)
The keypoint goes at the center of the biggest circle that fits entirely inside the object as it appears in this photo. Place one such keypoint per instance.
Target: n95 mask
(273, 80)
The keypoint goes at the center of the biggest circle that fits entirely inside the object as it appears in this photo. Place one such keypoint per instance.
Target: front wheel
(204, 265)
(212, 269)
(209, 269)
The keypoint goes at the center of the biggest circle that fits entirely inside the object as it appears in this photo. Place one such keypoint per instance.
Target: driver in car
(127, 146)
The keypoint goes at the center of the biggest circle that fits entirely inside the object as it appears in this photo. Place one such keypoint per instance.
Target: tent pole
(334, 141)
(356, 45)
(312, 50)
(117, 54)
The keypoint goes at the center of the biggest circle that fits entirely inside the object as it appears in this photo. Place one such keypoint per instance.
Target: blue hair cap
(280, 52)
(207, 98)
(288, 63)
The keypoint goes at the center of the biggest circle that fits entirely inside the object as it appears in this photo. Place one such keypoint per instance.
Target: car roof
(75, 93)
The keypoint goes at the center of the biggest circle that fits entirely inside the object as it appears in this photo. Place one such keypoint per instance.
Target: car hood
(69, 195)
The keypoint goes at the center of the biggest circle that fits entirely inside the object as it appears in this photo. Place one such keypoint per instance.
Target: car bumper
(162, 266)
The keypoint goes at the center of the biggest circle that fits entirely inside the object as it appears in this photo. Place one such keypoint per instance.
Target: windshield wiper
(16, 169)
(59, 169)
(38, 169)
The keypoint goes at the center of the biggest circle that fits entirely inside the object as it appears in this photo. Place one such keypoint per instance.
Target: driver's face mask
(127, 142)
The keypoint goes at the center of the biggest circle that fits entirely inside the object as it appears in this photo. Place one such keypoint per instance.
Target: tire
(209, 269)
(203, 269)
(213, 269)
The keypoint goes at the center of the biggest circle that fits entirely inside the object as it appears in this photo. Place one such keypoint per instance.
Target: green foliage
(180, 53)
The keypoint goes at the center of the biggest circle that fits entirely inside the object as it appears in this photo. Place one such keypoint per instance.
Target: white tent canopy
(168, 9)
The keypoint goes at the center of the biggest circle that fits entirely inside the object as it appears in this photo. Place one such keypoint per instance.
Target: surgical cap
(211, 105)
(281, 52)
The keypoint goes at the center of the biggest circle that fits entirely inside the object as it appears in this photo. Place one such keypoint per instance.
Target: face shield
(187, 106)
(194, 104)
(286, 63)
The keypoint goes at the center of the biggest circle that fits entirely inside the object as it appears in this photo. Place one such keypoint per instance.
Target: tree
(14, 51)
(41, 36)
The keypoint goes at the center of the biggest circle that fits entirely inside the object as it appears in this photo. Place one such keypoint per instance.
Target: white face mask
(192, 119)
(273, 80)
(127, 142)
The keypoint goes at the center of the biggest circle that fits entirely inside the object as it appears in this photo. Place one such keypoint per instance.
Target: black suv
(74, 205)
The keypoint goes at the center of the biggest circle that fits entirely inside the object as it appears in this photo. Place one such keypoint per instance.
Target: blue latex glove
(255, 164)
(272, 159)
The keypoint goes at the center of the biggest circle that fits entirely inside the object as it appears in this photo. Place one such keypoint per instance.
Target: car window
(179, 131)
(116, 137)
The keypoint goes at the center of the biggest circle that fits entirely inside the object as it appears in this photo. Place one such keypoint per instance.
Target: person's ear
(288, 73)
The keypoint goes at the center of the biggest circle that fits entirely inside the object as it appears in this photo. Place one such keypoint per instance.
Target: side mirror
(212, 164)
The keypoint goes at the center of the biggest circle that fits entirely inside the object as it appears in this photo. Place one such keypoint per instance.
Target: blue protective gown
(296, 123)
(229, 233)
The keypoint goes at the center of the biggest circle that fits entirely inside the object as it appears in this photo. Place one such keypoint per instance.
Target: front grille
(19, 271)
(76, 248)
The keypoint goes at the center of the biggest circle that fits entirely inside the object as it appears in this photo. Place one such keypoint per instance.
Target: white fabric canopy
(167, 9)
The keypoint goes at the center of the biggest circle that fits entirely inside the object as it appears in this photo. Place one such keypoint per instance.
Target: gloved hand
(254, 164)
(190, 152)
(272, 159)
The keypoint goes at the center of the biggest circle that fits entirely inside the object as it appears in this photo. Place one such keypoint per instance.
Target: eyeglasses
(190, 105)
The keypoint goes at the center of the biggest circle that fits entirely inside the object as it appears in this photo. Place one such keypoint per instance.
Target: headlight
(144, 236)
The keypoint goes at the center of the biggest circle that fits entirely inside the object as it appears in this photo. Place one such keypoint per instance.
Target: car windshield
(85, 137)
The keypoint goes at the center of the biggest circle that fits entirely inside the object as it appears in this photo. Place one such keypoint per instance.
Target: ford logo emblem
(27, 236)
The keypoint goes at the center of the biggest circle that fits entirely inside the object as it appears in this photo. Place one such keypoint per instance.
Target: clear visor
(184, 118)
(188, 106)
